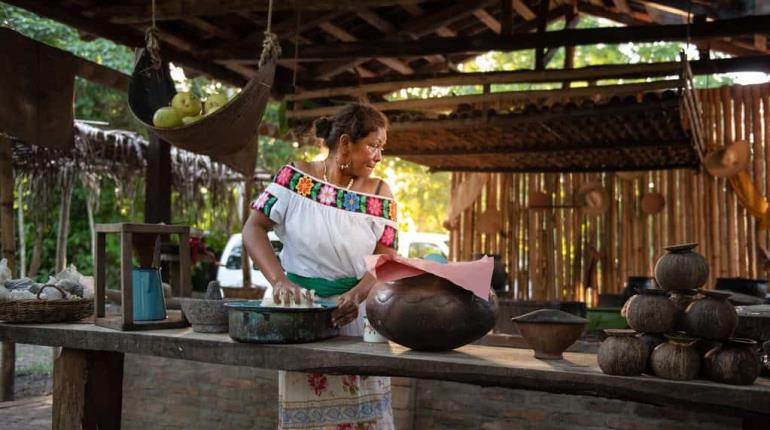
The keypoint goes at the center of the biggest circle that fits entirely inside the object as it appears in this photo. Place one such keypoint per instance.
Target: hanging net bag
(227, 135)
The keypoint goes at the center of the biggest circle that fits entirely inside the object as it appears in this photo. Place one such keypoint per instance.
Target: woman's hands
(284, 289)
(347, 308)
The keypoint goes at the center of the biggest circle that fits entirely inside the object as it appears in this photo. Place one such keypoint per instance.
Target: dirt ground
(31, 408)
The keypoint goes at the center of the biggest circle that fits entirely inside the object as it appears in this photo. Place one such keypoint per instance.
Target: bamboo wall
(546, 251)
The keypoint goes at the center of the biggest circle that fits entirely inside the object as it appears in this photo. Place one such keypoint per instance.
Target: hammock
(227, 135)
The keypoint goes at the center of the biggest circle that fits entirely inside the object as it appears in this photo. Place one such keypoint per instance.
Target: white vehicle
(230, 273)
(419, 245)
(412, 245)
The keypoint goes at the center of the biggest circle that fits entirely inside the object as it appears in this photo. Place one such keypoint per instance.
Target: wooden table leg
(87, 390)
(7, 370)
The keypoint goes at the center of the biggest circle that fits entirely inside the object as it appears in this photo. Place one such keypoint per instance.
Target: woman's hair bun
(323, 126)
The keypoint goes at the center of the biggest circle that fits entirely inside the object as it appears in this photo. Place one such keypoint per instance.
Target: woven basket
(46, 311)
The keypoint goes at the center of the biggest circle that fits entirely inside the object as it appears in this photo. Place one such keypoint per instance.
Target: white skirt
(335, 402)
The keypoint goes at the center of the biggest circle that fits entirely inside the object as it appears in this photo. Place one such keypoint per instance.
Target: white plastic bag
(5, 272)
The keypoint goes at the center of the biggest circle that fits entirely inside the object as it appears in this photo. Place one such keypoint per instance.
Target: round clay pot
(676, 358)
(650, 341)
(549, 332)
(735, 362)
(622, 353)
(429, 313)
(711, 316)
(651, 311)
(681, 268)
(682, 299)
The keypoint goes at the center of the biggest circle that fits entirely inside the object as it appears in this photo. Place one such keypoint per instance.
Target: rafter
(480, 43)
(622, 71)
(343, 35)
(488, 20)
(522, 9)
(179, 9)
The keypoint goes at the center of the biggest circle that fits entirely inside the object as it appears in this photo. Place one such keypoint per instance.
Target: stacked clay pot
(697, 325)
(622, 353)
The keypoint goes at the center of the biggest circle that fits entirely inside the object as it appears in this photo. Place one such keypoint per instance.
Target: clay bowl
(429, 313)
(549, 331)
(205, 316)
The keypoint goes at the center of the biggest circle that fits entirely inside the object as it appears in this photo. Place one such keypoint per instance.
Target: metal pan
(249, 321)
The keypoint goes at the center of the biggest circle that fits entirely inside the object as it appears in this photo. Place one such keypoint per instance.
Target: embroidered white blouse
(326, 230)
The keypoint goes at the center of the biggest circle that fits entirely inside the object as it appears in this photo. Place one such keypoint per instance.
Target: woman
(329, 215)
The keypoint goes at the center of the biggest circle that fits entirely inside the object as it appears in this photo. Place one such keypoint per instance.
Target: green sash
(324, 287)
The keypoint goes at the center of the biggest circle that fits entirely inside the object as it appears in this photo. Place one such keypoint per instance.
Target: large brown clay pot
(429, 313)
(651, 311)
(650, 341)
(676, 358)
(711, 316)
(681, 268)
(734, 362)
(622, 353)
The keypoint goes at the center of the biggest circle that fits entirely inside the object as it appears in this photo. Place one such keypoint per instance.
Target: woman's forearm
(258, 246)
(361, 290)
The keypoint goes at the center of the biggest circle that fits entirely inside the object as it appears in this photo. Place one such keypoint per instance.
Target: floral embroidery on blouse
(304, 186)
(265, 203)
(389, 237)
(318, 382)
(329, 195)
(374, 207)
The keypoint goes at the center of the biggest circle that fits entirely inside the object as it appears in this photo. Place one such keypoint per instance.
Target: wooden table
(88, 374)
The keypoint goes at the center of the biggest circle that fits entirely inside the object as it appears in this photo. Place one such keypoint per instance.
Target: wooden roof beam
(343, 35)
(570, 37)
(179, 9)
(501, 97)
(621, 71)
(522, 9)
(207, 27)
(488, 20)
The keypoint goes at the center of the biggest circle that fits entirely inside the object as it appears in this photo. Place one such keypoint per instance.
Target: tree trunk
(67, 183)
(7, 349)
(22, 237)
(37, 250)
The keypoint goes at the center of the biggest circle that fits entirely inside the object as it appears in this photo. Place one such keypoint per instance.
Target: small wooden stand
(125, 321)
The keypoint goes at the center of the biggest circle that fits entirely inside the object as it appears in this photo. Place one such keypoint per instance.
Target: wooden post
(8, 357)
(541, 24)
(157, 196)
(87, 390)
(246, 210)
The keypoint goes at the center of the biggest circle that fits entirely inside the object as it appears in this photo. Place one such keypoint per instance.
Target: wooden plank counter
(86, 344)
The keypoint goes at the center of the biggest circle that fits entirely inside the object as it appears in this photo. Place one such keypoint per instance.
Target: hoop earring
(342, 166)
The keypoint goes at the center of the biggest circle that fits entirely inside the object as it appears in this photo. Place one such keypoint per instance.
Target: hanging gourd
(228, 133)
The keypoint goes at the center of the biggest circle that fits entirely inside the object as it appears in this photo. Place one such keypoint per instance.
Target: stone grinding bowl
(549, 332)
(205, 316)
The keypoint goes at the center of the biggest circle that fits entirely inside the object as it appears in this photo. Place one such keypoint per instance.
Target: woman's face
(365, 153)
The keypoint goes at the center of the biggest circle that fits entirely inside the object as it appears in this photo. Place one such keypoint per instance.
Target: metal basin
(250, 322)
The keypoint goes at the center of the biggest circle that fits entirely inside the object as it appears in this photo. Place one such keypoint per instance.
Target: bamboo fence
(547, 251)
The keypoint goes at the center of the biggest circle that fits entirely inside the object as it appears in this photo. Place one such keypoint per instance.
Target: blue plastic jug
(149, 303)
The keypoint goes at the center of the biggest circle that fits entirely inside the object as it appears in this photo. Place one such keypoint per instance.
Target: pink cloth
(474, 276)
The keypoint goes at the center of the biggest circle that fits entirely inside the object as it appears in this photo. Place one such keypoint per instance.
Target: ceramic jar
(681, 268)
(651, 311)
(650, 341)
(429, 313)
(711, 316)
(622, 353)
(676, 358)
(682, 299)
(734, 362)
